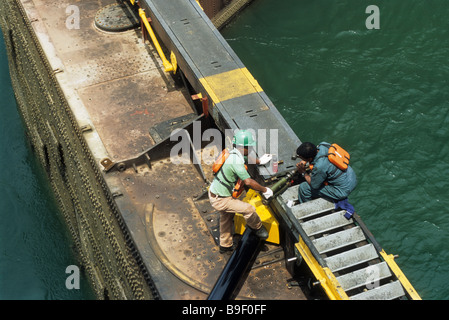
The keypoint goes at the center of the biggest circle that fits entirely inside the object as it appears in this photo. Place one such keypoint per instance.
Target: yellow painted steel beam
(326, 278)
(230, 84)
(168, 66)
(200, 5)
(389, 259)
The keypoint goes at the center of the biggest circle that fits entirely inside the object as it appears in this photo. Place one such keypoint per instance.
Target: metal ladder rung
(351, 258)
(312, 208)
(388, 291)
(339, 240)
(290, 194)
(326, 223)
(363, 277)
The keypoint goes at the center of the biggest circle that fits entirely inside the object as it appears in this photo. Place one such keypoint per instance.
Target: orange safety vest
(221, 159)
(337, 156)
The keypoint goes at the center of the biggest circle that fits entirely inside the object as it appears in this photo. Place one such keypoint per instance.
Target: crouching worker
(231, 171)
(333, 181)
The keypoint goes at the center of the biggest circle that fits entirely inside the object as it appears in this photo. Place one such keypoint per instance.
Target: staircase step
(339, 240)
(388, 291)
(363, 277)
(290, 194)
(351, 258)
(324, 224)
(312, 208)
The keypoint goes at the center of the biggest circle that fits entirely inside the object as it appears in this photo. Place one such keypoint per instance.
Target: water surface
(35, 245)
(381, 94)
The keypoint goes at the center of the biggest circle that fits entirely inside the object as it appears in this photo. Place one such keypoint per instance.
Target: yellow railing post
(167, 65)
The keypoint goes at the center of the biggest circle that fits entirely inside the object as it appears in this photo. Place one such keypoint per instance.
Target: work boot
(227, 250)
(262, 233)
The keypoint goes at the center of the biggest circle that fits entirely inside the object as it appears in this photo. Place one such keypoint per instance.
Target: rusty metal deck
(118, 92)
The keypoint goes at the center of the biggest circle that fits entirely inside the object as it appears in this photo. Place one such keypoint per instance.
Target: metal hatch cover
(117, 17)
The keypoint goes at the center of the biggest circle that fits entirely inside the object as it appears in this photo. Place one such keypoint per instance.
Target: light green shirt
(232, 170)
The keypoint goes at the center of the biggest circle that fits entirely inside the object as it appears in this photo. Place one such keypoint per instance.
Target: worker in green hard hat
(224, 185)
(243, 140)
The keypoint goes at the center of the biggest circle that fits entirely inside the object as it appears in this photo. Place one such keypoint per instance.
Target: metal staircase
(347, 248)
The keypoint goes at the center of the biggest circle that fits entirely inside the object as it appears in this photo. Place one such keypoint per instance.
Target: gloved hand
(265, 159)
(268, 194)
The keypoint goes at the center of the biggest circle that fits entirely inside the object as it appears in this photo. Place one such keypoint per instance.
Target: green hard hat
(244, 138)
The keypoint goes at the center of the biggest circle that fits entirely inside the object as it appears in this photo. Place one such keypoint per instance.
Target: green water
(35, 245)
(383, 95)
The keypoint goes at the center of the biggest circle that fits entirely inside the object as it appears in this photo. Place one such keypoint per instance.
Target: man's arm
(302, 166)
(253, 184)
(307, 177)
(319, 176)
